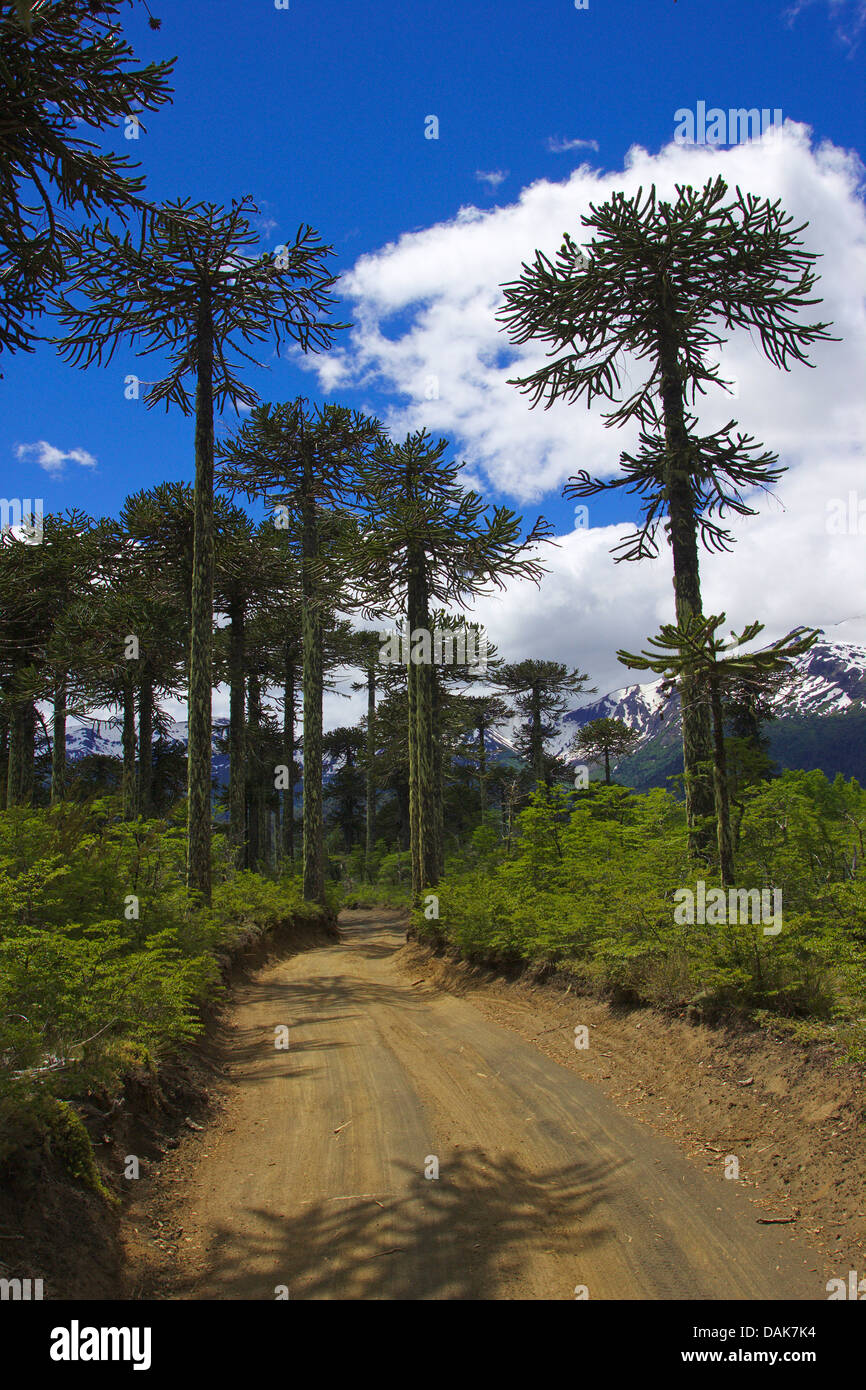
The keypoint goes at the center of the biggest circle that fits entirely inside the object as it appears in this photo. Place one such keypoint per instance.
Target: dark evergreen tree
(657, 283)
(602, 739)
(429, 540)
(64, 66)
(193, 290)
(303, 459)
(540, 692)
(695, 650)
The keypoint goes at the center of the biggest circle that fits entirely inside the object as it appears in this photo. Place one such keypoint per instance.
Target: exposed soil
(793, 1114)
(55, 1228)
(558, 1168)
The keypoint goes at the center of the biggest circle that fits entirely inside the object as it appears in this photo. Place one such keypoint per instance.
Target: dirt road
(313, 1176)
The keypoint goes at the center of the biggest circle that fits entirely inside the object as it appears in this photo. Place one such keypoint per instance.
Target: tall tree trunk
(422, 795)
(237, 728)
(58, 741)
(28, 761)
(438, 785)
(289, 754)
(687, 588)
(255, 842)
(4, 761)
(414, 802)
(482, 766)
(606, 766)
(22, 752)
(145, 746)
(198, 874)
(402, 792)
(313, 684)
(370, 819)
(537, 741)
(720, 790)
(128, 742)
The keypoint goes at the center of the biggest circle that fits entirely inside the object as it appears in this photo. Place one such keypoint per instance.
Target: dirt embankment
(792, 1114)
(430, 1131)
(56, 1228)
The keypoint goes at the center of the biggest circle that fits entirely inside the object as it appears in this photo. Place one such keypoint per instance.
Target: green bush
(590, 887)
(103, 957)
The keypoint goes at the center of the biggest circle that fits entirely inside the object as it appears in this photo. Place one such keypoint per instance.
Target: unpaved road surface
(313, 1175)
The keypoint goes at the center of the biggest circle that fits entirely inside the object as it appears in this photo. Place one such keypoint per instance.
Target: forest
(306, 536)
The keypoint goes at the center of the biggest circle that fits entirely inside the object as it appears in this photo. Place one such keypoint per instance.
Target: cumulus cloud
(426, 334)
(559, 146)
(52, 459)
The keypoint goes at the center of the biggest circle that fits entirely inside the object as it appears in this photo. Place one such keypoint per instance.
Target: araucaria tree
(303, 460)
(657, 284)
(63, 66)
(540, 691)
(603, 739)
(193, 290)
(429, 540)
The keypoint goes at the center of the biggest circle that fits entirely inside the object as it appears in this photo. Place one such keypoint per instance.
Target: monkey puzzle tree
(63, 65)
(193, 291)
(39, 585)
(540, 691)
(303, 459)
(241, 577)
(694, 650)
(343, 746)
(428, 539)
(659, 281)
(367, 645)
(486, 712)
(603, 739)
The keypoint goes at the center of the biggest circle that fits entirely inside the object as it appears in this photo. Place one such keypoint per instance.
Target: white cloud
(492, 177)
(52, 459)
(444, 281)
(557, 146)
(849, 18)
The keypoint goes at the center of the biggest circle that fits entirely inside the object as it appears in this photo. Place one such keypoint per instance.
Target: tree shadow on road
(470, 1234)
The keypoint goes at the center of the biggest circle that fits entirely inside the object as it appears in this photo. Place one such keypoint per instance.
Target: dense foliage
(105, 961)
(590, 887)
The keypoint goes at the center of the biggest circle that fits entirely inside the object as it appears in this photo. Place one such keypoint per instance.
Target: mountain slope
(820, 719)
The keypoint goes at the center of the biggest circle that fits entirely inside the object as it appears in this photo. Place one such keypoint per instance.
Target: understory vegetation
(590, 887)
(95, 979)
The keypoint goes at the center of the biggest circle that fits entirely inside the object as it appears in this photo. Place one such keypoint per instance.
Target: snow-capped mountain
(820, 722)
(104, 737)
(828, 680)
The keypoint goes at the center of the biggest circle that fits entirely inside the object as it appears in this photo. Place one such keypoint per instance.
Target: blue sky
(319, 112)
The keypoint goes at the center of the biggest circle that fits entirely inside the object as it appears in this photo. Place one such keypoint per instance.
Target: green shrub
(590, 886)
